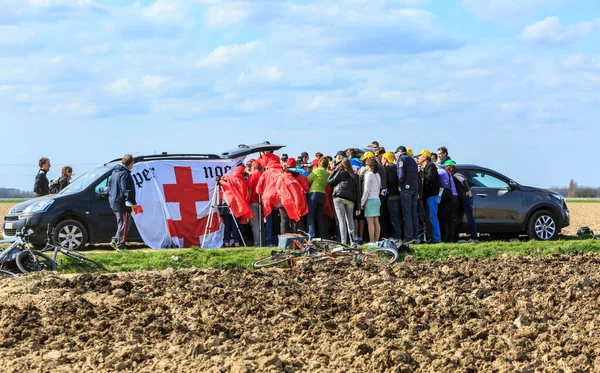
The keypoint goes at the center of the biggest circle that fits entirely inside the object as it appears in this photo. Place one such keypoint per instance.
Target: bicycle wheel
(328, 245)
(4, 273)
(34, 261)
(274, 260)
(82, 258)
(381, 254)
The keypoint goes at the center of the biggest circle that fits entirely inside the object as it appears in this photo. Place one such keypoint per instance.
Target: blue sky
(512, 85)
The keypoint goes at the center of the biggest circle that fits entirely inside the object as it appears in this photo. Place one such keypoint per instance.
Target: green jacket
(318, 180)
(448, 160)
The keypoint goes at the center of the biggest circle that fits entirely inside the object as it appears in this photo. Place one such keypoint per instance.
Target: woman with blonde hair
(370, 201)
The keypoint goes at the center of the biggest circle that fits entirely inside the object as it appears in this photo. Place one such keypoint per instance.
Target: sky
(512, 85)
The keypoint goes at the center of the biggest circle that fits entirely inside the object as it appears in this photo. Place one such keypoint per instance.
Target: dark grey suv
(501, 205)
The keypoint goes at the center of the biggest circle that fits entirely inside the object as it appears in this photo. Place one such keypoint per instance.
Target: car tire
(70, 234)
(542, 226)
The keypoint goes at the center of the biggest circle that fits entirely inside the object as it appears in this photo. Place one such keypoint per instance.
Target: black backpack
(54, 185)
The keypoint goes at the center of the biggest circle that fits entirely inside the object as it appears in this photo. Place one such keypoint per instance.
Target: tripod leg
(234, 219)
(211, 210)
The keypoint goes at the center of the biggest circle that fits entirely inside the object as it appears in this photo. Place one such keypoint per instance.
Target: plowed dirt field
(506, 314)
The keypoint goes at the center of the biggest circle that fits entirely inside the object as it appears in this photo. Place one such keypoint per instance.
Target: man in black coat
(431, 192)
(41, 186)
(122, 199)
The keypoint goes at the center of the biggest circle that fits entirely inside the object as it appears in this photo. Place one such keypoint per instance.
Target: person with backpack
(60, 183)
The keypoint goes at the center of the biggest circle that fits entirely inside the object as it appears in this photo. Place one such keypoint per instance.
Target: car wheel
(70, 234)
(542, 226)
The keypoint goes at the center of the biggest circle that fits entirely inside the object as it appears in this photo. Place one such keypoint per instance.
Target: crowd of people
(351, 198)
(346, 197)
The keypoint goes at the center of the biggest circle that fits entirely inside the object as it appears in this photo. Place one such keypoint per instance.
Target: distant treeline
(15, 193)
(576, 191)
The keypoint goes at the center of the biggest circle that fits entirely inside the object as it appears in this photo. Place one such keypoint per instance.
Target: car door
(497, 206)
(103, 218)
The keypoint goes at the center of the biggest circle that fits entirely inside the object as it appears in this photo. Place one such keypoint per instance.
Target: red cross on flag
(177, 197)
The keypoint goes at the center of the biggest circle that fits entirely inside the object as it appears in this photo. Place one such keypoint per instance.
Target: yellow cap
(425, 152)
(389, 157)
(367, 155)
(410, 152)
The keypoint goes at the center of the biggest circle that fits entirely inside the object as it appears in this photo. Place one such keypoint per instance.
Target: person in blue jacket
(122, 199)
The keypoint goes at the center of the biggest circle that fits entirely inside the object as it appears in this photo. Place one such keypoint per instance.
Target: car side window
(102, 187)
(485, 180)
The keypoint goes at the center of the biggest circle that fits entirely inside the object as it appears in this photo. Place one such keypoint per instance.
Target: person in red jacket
(252, 182)
(234, 193)
(270, 198)
(292, 187)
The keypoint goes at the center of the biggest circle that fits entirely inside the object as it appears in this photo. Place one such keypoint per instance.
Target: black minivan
(81, 214)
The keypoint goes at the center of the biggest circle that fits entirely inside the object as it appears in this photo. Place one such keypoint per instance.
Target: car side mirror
(104, 194)
(512, 185)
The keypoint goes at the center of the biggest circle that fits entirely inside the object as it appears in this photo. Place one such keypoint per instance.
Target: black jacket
(431, 181)
(392, 180)
(41, 187)
(344, 185)
(122, 189)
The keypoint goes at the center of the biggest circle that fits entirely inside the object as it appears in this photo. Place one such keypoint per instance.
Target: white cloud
(581, 61)
(262, 74)
(551, 31)
(320, 102)
(512, 107)
(226, 54)
(165, 11)
(249, 106)
(226, 15)
(119, 87)
(16, 37)
(474, 73)
(505, 11)
(154, 81)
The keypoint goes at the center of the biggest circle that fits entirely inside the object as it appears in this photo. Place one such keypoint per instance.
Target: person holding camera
(234, 193)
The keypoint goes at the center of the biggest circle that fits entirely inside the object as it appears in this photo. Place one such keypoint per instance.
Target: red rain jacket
(267, 187)
(234, 188)
(292, 194)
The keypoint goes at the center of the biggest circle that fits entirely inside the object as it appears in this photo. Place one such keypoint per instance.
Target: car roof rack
(175, 157)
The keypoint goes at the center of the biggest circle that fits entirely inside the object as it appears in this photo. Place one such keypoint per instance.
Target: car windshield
(85, 180)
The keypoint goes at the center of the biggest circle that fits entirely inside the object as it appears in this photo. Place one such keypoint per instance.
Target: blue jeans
(316, 201)
(231, 230)
(432, 204)
(269, 230)
(394, 210)
(467, 203)
(410, 213)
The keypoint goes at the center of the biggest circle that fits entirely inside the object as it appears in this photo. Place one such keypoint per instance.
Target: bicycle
(55, 249)
(26, 259)
(319, 249)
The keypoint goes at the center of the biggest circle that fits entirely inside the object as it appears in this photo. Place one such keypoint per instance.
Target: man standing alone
(41, 187)
(122, 199)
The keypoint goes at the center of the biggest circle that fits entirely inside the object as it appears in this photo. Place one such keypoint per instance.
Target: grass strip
(242, 258)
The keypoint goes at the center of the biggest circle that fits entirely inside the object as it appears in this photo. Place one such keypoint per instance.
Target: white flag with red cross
(176, 196)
